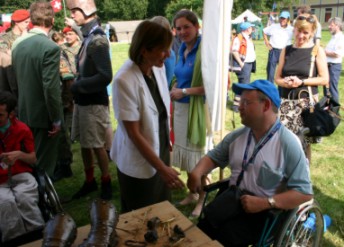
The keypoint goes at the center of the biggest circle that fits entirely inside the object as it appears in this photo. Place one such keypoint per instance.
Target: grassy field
(327, 168)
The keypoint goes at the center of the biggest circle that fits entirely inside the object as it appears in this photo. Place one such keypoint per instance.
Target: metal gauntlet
(60, 231)
(104, 219)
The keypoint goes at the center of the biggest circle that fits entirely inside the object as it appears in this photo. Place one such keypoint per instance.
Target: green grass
(327, 168)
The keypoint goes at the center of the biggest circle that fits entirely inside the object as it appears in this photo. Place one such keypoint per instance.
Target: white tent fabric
(215, 51)
(251, 17)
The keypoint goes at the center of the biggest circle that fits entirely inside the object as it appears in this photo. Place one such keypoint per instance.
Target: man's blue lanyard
(246, 163)
(86, 39)
(84, 43)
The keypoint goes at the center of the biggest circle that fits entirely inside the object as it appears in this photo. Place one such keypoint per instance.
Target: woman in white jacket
(141, 104)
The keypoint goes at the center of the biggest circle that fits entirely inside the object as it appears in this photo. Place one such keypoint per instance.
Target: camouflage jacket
(67, 78)
(71, 52)
(6, 40)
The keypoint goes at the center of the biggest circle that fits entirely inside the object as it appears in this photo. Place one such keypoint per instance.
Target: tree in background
(9, 6)
(156, 7)
(107, 10)
(175, 5)
(239, 6)
(142, 9)
(122, 9)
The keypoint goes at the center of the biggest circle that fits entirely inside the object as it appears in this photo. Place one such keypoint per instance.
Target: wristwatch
(302, 82)
(184, 91)
(272, 202)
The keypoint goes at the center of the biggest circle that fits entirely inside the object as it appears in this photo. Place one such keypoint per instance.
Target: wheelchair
(299, 227)
(49, 204)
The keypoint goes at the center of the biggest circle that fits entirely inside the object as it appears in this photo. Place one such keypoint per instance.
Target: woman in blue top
(186, 153)
(170, 62)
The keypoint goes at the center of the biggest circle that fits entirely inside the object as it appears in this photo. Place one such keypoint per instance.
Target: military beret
(20, 15)
(67, 29)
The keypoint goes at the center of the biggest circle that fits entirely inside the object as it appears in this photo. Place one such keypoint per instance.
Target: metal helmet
(87, 6)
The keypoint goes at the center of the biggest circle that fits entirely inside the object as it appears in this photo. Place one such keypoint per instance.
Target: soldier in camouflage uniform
(20, 21)
(70, 50)
(70, 45)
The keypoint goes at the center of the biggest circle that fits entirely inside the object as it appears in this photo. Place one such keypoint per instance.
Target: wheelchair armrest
(276, 211)
(218, 185)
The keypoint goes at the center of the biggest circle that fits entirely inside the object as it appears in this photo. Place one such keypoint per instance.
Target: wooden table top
(133, 226)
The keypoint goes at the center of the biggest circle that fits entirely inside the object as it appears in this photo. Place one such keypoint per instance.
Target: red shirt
(17, 137)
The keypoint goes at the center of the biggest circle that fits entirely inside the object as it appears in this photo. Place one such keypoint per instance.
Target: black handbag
(323, 118)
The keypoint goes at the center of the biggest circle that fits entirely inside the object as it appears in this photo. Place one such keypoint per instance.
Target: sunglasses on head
(310, 19)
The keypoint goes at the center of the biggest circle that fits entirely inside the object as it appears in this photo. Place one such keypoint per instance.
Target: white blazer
(132, 101)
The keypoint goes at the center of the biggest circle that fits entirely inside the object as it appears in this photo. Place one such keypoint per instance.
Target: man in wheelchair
(268, 169)
(19, 211)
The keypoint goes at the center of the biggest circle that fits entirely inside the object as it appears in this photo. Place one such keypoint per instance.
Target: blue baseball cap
(265, 86)
(245, 25)
(285, 14)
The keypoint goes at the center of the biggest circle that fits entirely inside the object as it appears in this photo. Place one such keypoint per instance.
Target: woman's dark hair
(187, 14)
(8, 99)
(148, 35)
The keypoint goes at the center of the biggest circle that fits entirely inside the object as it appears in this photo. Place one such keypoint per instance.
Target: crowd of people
(291, 46)
(53, 91)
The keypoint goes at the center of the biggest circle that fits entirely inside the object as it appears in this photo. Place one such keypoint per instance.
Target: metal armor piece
(104, 219)
(87, 6)
(60, 231)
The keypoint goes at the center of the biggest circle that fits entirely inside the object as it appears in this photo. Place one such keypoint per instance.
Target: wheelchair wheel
(49, 201)
(297, 231)
(52, 199)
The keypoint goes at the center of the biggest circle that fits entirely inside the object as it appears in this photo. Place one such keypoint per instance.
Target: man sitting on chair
(19, 211)
(266, 161)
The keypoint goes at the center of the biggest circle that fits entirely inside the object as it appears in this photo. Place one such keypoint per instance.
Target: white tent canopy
(251, 17)
(215, 52)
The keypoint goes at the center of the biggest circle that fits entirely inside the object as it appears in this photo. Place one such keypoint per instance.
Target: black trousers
(240, 231)
(136, 193)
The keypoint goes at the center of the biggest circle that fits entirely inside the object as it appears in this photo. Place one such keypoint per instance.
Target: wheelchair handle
(216, 185)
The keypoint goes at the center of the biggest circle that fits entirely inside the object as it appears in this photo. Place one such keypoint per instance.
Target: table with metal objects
(132, 227)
